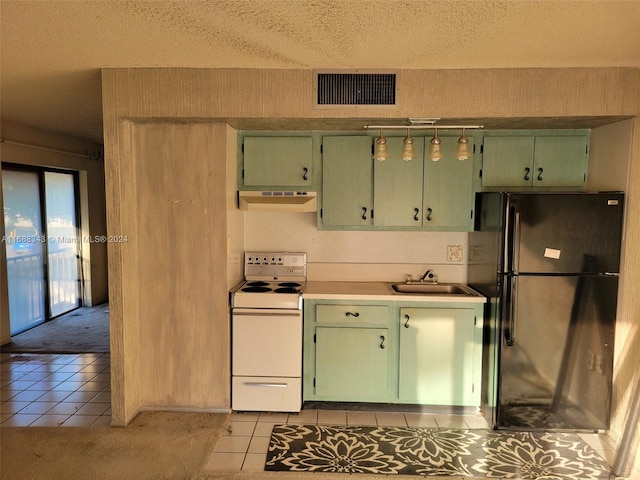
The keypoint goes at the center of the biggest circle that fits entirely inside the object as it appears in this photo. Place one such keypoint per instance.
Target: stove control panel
(275, 265)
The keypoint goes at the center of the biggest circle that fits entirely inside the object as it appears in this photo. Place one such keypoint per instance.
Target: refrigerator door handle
(512, 299)
(515, 260)
(512, 247)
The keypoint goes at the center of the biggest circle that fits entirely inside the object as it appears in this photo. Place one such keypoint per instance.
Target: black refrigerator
(549, 264)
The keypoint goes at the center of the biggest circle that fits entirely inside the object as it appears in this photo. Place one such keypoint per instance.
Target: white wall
(609, 154)
(614, 165)
(358, 255)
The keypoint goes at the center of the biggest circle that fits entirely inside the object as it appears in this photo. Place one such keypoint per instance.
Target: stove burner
(289, 284)
(257, 283)
(286, 290)
(256, 289)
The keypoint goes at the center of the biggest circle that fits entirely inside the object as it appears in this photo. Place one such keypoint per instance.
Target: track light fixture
(463, 151)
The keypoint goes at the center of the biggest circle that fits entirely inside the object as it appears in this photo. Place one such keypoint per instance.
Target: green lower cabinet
(352, 364)
(438, 356)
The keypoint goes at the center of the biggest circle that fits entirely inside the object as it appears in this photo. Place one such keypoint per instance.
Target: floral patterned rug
(430, 451)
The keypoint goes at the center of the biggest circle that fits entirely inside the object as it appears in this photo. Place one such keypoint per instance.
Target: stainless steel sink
(432, 289)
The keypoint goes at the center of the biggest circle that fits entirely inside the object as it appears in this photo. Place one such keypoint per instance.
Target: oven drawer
(267, 394)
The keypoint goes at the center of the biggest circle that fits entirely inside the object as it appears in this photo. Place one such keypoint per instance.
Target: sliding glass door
(25, 249)
(42, 245)
(62, 242)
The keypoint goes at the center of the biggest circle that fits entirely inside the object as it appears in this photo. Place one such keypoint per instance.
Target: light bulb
(435, 152)
(408, 150)
(463, 152)
(381, 152)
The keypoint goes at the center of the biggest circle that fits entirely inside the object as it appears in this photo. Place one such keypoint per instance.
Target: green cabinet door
(351, 364)
(436, 360)
(448, 189)
(278, 161)
(507, 161)
(346, 181)
(535, 161)
(560, 161)
(397, 196)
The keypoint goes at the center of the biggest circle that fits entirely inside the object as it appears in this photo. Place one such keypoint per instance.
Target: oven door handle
(265, 384)
(272, 312)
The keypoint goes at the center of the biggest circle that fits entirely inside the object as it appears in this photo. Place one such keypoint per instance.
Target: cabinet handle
(364, 213)
(407, 318)
(540, 170)
(305, 170)
(416, 217)
(349, 314)
(382, 342)
(429, 212)
(527, 170)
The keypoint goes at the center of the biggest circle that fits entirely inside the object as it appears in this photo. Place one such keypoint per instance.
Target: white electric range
(266, 333)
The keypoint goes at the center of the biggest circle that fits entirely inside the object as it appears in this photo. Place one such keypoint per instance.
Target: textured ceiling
(51, 51)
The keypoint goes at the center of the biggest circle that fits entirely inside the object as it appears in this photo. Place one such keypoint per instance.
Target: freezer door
(556, 355)
(564, 233)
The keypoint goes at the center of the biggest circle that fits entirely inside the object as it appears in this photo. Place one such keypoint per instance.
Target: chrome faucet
(429, 277)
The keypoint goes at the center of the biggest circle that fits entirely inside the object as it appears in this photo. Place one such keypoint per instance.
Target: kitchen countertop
(375, 291)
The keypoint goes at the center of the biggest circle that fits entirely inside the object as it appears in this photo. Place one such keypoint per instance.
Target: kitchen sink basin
(432, 289)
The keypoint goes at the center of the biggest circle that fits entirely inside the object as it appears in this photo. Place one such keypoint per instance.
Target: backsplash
(358, 255)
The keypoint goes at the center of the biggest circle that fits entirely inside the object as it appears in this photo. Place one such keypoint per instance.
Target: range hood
(278, 201)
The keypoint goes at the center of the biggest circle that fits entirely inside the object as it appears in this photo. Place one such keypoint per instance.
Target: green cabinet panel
(347, 181)
(535, 161)
(352, 314)
(448, 189)
(560, 161)
(397, 184)
(507, 161)
(436, 358)
(352, 364)
(278, 161)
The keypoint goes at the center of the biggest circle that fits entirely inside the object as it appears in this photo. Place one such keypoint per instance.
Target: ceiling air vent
(356, 88)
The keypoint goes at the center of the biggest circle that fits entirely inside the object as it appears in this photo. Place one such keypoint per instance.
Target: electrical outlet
(454, 253)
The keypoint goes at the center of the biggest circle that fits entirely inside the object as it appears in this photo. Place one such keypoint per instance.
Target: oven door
(266, 342)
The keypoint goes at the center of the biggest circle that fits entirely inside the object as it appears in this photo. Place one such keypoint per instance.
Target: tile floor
(244, 444)
(48, 390)
(74, 390)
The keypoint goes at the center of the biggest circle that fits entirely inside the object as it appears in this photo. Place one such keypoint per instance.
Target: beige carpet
(85, 330)
(156, 445)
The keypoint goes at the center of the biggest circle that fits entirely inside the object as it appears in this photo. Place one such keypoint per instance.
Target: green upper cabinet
(440, 356)
(347, 181)
(397, 184)
(560, 161)
(418, 194)
(448, 190)
(277, 162)
(507, 161)
(536, 161)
